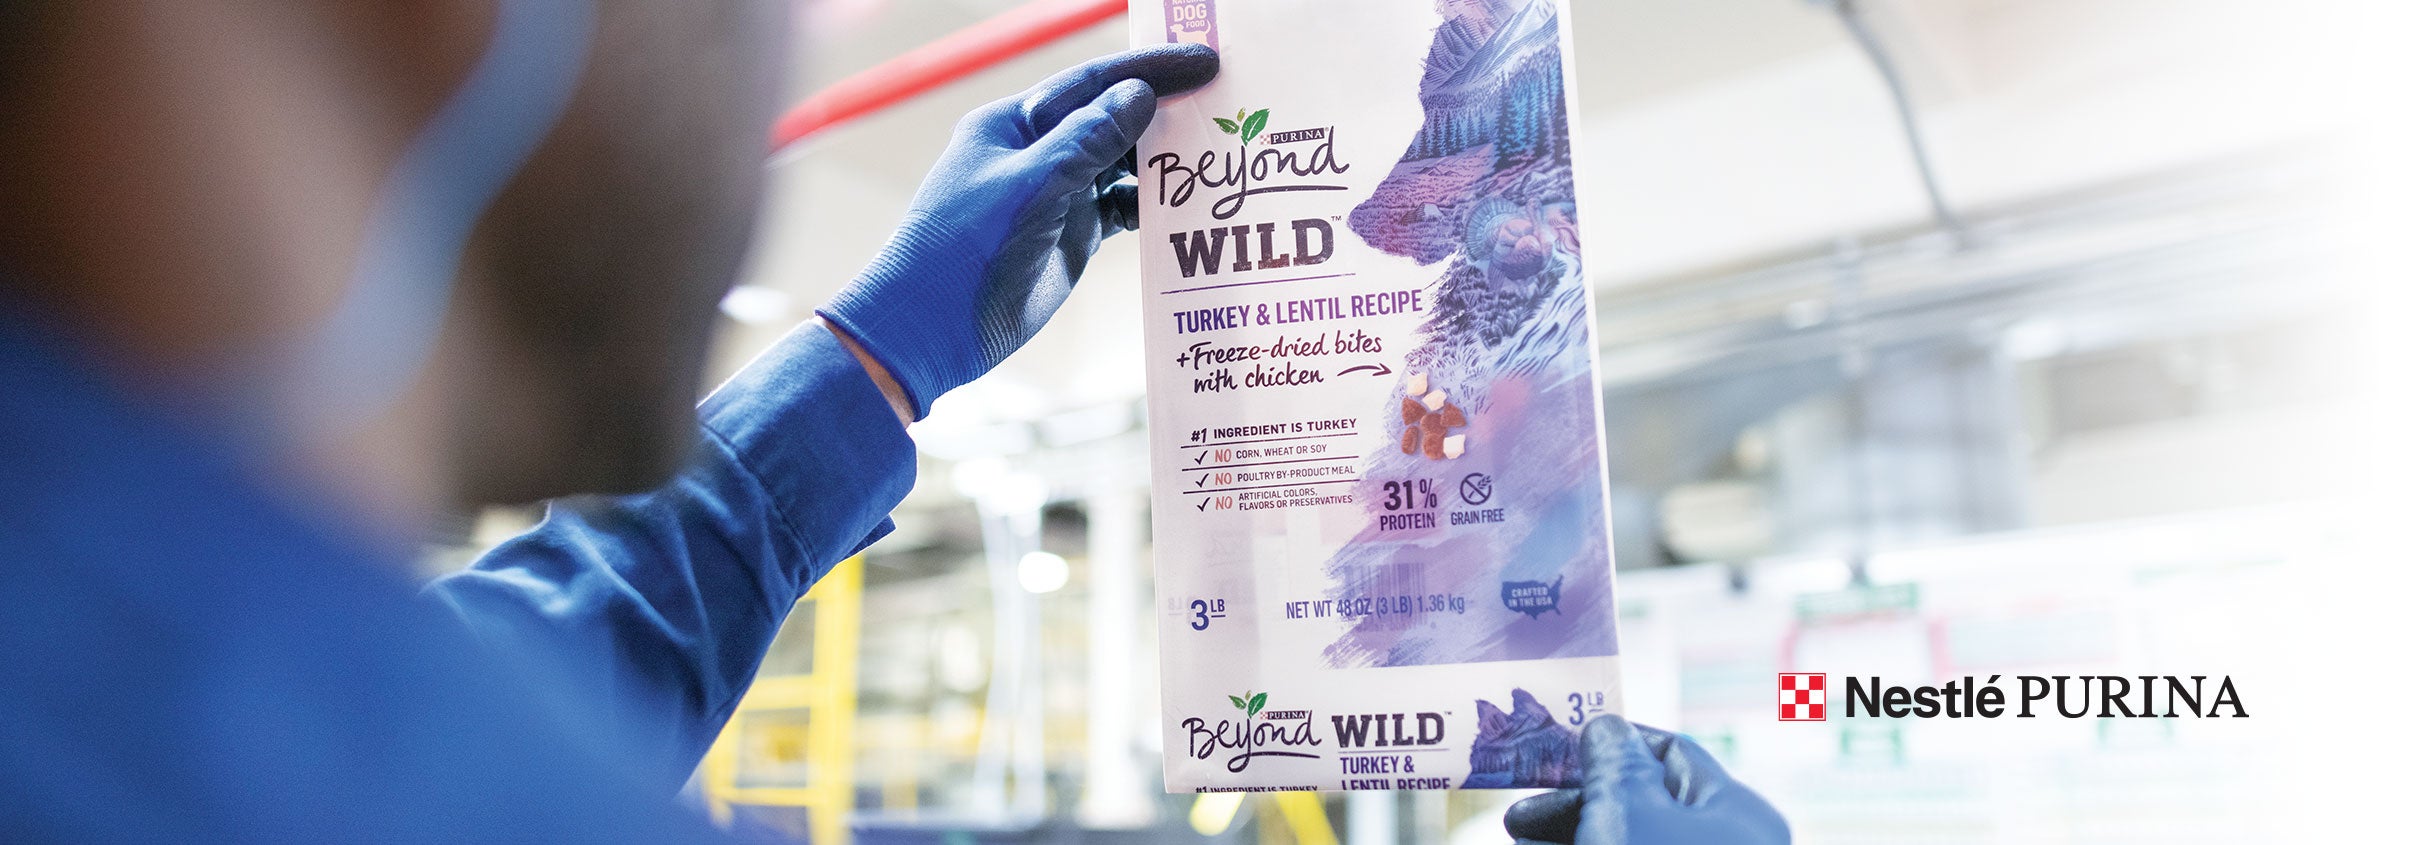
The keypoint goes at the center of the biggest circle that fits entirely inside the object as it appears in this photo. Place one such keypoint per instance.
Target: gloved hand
(1006, 221)
(1647, 787)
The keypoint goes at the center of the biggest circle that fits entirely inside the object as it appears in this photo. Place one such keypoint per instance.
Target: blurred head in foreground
(441, 253)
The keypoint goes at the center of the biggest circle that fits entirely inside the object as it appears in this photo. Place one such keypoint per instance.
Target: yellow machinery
(791, 744)
(788, 745)
(1304, 821)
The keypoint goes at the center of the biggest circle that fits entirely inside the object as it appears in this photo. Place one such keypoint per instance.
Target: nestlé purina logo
(1803, 697)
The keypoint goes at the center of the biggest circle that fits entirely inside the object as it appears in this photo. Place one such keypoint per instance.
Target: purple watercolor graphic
(1485, 190)
(1523, 748)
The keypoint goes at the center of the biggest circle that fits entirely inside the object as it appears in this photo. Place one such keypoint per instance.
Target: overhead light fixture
(757, 305)
(1041, 572)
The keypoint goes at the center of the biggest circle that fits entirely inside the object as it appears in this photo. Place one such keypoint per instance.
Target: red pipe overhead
(953, 57)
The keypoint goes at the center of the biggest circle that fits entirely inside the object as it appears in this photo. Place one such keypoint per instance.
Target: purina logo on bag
(1252, 736)
(1247, 171)
(1801, 696)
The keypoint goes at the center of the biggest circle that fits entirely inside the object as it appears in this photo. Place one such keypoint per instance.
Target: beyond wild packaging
(1380, 505)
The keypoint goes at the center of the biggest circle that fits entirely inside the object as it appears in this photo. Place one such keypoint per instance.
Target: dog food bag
(1380, 521)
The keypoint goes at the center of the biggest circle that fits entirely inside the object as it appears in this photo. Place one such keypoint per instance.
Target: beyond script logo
(1243, 170)
(1257, 731)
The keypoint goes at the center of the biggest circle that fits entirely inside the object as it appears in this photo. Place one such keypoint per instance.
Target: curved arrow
(1375, 369)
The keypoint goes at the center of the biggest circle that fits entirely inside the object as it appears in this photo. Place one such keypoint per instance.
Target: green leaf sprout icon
(1246, 124)
(1249, 702)
(1254, 124)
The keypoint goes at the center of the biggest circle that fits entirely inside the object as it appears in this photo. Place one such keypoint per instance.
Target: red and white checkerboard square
(1801, 696)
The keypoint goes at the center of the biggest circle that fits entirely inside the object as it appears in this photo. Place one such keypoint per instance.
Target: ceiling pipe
(953, 57)
(1024, 28)
(1860, 31)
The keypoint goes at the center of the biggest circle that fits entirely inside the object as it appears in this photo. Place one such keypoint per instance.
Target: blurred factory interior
(2106, 405)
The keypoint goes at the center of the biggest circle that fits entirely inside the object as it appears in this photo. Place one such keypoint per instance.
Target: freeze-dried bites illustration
(1435, 442)
(1428, 419)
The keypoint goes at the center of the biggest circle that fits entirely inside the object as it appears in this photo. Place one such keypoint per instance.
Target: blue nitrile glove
(1647, 787)
(1007, 219)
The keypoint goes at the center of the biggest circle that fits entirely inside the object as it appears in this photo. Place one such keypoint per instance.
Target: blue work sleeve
(658, 606)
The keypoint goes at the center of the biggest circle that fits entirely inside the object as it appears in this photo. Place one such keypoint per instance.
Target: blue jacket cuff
(805, 422)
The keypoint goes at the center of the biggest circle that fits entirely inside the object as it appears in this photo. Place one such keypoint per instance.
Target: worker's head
(247, 198)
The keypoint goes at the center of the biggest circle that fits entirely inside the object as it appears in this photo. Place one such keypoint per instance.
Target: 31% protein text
(1405, 495)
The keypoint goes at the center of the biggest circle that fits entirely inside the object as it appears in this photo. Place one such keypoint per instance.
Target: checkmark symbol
(1205, 505)
(1198, 458)
(1205, 479)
